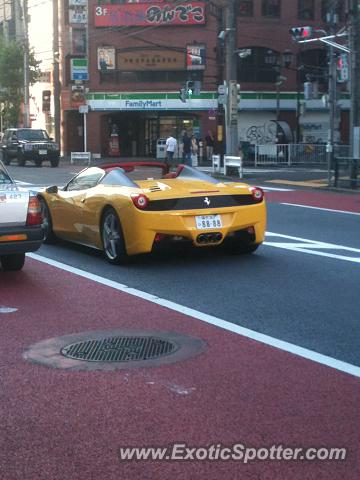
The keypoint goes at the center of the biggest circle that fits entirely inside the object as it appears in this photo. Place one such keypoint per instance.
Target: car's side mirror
(53, 189)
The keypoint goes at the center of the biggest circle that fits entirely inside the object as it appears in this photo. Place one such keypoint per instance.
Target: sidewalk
(69, 420)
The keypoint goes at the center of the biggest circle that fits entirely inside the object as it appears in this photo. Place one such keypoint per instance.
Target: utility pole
(332, 93)
(26, 121)
(332, 107)
(231, 79)
(354, 11)
(56, 73)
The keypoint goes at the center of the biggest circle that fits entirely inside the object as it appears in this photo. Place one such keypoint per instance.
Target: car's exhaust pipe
(208, 238)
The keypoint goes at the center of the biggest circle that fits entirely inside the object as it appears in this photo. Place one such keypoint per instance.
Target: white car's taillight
(34, 216)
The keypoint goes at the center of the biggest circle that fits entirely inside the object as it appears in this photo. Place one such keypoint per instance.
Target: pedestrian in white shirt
(171, 144)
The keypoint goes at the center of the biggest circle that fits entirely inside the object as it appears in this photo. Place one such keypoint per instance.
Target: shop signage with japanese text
(143, 14)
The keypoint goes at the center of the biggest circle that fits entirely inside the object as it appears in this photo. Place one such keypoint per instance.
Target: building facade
(128, 61)
(272, 77)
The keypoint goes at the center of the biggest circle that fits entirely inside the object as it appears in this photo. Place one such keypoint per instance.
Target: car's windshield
(4, 177)
(32, 135)
(191, 173)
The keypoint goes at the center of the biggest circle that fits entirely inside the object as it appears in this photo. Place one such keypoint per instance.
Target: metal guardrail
(295, 154)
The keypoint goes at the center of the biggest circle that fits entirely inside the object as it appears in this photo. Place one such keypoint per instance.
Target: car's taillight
(257, 193)
(140, 201)
(34, 216)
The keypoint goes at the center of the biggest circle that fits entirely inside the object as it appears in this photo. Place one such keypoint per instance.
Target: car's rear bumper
(33, 238)
(31, 155)
(140, 232)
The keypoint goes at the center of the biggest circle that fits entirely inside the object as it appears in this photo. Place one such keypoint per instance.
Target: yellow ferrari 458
(126, 209)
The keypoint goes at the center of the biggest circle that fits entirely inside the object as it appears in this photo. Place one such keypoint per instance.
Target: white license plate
(208, 221)
(42, 152)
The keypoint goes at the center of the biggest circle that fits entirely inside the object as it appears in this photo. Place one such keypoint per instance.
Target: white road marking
(320, 208)
(7, 310)
(210, 319)
(312, 247)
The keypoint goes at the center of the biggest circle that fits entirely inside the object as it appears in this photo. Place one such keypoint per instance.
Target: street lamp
(278, 62)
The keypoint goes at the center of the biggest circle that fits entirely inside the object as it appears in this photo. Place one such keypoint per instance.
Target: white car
(21, 228)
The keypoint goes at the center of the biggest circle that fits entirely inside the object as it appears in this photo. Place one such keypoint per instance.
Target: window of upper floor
(256, 68)
(332, 11)
(306, 9)
(245, 8)
(271, 8)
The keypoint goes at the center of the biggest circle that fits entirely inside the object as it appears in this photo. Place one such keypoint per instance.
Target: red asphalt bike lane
(331, 200)
(58, 424)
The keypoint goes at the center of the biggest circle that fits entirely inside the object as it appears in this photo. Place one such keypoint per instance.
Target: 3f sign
(101, 11)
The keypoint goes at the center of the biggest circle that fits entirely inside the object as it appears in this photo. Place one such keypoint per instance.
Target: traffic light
(301, 33)
(342, 68)
(183, 94)
(46, 100)
(190, 87)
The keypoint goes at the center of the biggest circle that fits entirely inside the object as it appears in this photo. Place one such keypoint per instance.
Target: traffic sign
(79, 69)
(222, 89)
(84, 109)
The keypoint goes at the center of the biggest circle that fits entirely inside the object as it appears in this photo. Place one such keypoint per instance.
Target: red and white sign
(144, 14)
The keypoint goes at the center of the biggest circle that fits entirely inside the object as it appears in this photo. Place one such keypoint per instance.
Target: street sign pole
(231, 116)
(84, 109)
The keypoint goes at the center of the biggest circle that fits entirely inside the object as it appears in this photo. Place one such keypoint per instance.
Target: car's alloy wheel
(113, 238)
(49, 236)
(13, 262)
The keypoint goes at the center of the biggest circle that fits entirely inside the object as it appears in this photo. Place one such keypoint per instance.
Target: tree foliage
(12, 79)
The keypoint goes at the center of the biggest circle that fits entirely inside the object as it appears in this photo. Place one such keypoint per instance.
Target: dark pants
(170, 156)
(187, 158)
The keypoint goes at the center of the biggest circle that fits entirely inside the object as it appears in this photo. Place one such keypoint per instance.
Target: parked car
(130, 208)
(29, 144)
(20, 222)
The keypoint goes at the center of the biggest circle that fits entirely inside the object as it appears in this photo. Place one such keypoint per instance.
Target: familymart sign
(164, 101)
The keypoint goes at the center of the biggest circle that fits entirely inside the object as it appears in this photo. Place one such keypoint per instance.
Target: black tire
(242, 248)
(13, 263)
(38, 162)
(20, 160)
(49, 235)
(5, 158)
(54, 162)
(112, 238)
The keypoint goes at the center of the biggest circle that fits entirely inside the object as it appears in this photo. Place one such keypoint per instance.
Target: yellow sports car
(125, 209)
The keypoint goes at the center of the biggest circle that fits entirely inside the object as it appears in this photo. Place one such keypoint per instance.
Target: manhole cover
(120, 349)
(114, 350)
